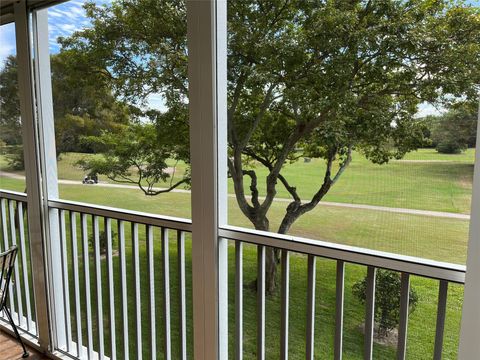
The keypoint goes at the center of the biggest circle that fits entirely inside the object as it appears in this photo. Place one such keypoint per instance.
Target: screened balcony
(102, 282)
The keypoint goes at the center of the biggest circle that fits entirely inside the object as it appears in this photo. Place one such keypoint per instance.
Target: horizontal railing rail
(13, 195)
(124, 214)
(401, 263)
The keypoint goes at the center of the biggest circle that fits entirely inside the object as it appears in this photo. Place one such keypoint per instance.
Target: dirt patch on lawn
(391, 339)
(465, 182)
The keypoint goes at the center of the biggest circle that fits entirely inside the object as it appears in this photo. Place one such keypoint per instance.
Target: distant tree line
(454, 131)
(82, 106)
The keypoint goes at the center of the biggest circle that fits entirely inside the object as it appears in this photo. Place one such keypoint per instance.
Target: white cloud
(63, 20)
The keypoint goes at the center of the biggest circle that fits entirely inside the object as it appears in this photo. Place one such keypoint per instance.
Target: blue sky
(65, 18)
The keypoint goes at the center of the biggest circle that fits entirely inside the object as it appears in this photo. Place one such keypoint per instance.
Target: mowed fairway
(424, 180)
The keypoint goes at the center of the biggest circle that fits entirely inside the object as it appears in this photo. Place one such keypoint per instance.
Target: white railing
(108, 256)
(445, 273)
(14, 223)
(145, 232)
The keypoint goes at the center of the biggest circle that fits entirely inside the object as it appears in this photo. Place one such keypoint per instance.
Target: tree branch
(302, 130)
(292, 190)
(237, 177)
(263, 108)
(343, 165)
(295, 209)
(235, 100)
(156, 192)
(253, 187)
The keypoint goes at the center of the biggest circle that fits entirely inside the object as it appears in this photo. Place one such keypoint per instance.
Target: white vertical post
(48, 170)
(206, 24)
(221, 176)
(469, 347)
(35, 209)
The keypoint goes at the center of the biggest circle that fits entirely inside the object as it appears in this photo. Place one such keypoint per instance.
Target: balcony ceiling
(6, 7)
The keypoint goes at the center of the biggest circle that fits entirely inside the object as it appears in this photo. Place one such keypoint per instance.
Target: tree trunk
(270, 270)
(271, 258)
(272, 255)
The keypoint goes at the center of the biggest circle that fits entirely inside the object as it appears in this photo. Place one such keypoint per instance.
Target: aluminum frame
(206, 38)
(35, 209)
(469, 346)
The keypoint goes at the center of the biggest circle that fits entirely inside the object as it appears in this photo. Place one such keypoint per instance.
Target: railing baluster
(166, 293)
(261, 302)
(23, 249)
(76, 281)
(339, 303)
(111, 293)
(10, 226)
(151, 288)
(18, 289)
(3, 211)
(403, 325)
(285, 294)
(441, 312)
(98, 277)
(370, 312)
(4, 225)
(86, 270)
(238, 300)
(66, 291)
(182, 294)
(310, 336)
(123, 284)
(138, 303)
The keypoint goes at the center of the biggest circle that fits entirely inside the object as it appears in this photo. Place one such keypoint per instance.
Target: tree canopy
(455, 130)
(10, 122)
(82, 105)
(305, 78)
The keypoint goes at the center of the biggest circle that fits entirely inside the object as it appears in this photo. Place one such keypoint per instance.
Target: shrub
(455, 130)
(103, 241)
(450, 147)
(15, 159)
(387, 299)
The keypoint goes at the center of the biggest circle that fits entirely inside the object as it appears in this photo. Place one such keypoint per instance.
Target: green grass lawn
(435, 238)
(423, 180)
(418, 183)
(421, 325)
(431, 237)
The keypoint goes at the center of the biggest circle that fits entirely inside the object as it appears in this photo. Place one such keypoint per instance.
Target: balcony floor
(10, 349)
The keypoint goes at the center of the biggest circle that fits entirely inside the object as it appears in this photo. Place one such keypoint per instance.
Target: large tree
(323, 79)
(10, 123)
(83, 104)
